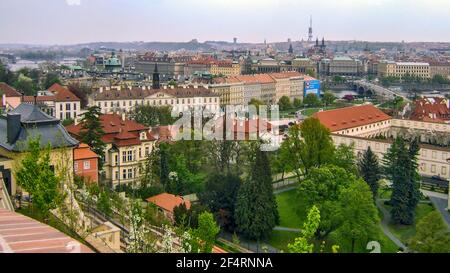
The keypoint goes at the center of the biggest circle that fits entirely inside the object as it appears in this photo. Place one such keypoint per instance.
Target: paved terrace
(21, 234)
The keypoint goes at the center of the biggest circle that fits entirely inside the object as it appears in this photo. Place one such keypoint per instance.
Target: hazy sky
(77, 21)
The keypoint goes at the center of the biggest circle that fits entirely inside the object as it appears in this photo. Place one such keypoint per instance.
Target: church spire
(155, 80)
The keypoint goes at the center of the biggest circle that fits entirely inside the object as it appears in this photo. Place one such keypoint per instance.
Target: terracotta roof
(434, 109)
(139, 93)
(8, 90)
(21, 234)
(62, 93)
(284, 75)
(350, 117)
(168, 201)
(121, 132)
(83, 151)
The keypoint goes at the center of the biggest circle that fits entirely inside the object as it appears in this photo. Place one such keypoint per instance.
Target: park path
(384, 225)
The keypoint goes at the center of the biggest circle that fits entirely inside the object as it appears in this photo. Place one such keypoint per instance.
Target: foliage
(152, 115)
(50, 79)
(284, 103)
(302, 244)
(328, 98)
(81, 91)
(92, 132)
(67, 122)
(140, 240)
(220, 195)
(256, 211)
(400, 166)
(369, 169)
(205, 233)
(104, 203)
(298, 103)
(358, 215)
(432, 235)
(35, 175)
(311, 100)
(188, 218)
(345, 158)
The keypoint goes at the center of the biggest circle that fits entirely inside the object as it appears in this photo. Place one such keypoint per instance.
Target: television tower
(310, 31)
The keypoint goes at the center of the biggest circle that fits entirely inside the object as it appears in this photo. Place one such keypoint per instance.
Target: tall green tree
(50, 79)
(206, 232)
(370, 171)
(284, 103)
(35, 175)
(220, 195)
(328, 98)
(344, 157)
(432, 235)
(152, 115)
(358, 215)
(303, 243)
(256, 208)
(311, 100)
(92, 132)
(400, 164)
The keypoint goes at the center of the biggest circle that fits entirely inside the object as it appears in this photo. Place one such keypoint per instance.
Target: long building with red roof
(128, 144)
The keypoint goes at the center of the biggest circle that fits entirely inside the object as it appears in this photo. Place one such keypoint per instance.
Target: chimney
(35, 99)
(101, 89)
(123, 116)
(12, 127)
(3, 100)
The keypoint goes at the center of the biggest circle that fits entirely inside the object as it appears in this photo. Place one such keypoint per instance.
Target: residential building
(304, 65)
(289, 84)
(226, 68)
(57, 101)
(344, 66)
(169, 67)
(400, 69)
(128, 145)
(440, 68)
(85, 163)
(181, 97)
(434, 109)
(167, 202)
(28, 121)
(10, 97)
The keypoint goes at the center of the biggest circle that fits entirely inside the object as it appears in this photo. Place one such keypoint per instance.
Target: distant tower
(310, 31)
(155, 79)
(291, 50)
(235, 40)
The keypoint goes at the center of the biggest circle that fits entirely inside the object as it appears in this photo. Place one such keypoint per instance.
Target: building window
(434, 154)
(124, 174)
(433, 168)
(87, 165)
(130, 155)
(124, 156)
(75, 107)
(444, 170)
(60, 107)
(116, 159)
(147, 151)
(117, 175)
(130, 173)
(75, 166)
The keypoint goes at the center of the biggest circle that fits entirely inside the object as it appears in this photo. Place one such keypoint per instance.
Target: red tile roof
(62, 93)
(83, 151)
(21, 234)
(168, 201)
(121, 132)
(350, 117)
(8, 90)
(431, 109)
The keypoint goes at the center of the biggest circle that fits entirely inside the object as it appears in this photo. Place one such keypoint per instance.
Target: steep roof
(431, 109)
(62, 93)
(168, 201)
(34, 123)
(8, 90)
(83, 151)
(350, 117)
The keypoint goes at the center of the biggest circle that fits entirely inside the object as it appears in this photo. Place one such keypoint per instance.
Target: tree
(297, 103)
(311, 100)
(328, 98)
(25, 84)
(400, 165)
(92, 132)
(308, 145)
(104, 203)
(302, 244)
(358, 214)
(50, 79)
(206, 232)
(344, 157)
(256, 208)
(220, 195)
(284, 103)
(152, 115)
(35, 175)
(311, 72)
(432, 235)
(322, 188)
(369, 169)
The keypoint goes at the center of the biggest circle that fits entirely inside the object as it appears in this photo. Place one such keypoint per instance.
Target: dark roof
(35, 123)
(139, 93)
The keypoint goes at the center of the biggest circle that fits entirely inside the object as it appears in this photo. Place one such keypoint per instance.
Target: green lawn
(281, 239)
(404, 233)
(290, 209)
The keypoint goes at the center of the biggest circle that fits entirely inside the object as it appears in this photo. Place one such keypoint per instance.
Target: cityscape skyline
(273, 20)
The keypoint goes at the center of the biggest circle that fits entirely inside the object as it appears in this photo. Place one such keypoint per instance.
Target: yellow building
(400, 69)
(226, 68)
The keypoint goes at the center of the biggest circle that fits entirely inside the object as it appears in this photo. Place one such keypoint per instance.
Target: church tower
(155, 79)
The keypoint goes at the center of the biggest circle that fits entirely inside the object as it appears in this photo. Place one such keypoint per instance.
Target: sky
(79, 21)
